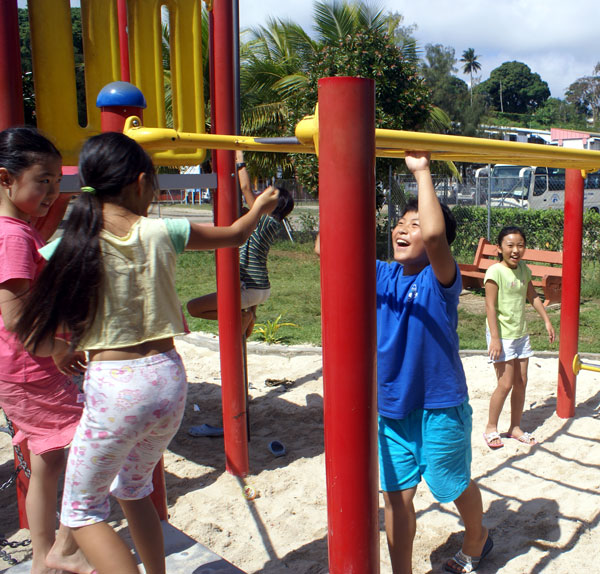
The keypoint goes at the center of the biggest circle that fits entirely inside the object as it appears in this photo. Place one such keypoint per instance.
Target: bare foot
(75, 563)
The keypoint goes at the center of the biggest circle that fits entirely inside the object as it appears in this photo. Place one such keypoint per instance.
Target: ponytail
(66, 294)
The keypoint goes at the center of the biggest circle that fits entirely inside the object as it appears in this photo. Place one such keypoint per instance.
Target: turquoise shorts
(431, 443)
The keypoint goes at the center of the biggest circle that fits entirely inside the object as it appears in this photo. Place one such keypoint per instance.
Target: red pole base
(22, 482)
(112, 119)
(571, 293)
(159, 494)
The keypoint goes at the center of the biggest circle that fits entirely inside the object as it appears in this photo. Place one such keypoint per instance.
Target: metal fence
(509, 188)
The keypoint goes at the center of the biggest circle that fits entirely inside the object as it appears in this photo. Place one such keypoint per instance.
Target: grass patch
(295, 290)
(471, 330)
(295, 295)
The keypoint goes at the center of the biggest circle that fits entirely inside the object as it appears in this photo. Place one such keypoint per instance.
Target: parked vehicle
(534, 187)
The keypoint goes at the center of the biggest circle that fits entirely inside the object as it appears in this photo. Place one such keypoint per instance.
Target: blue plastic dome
(120, 94)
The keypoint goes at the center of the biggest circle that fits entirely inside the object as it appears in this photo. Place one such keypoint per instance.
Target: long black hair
(24, 146)
(285, 204)
(509, 230)
(66, 294)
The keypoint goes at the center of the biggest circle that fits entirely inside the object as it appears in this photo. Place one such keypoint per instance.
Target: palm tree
(336, 19)
(469, 59)
(272, 75)
(277, 75)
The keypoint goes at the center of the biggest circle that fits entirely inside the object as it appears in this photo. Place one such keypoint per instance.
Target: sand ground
(542, 504)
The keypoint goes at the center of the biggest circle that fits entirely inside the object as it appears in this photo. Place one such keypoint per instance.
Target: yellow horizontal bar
(479, 150)
(389, 143)
(159, 140)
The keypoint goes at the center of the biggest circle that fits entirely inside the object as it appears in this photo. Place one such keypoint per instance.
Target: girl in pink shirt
(36, 393)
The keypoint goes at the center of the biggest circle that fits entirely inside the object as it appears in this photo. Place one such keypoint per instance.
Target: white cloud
(556, 39)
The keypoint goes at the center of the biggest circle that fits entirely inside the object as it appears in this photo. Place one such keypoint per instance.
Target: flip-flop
(489, 437)
(277, 448)
(525, 438)
(462, 563)
(205, 430)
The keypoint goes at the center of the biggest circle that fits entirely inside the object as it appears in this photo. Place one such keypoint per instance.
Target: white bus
(531, 187)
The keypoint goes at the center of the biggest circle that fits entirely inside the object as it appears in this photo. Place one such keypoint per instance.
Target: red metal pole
(12, 114)
(211, 72)
(112, 118)
(347, 215)
(123, 40)
(571, 293)
(22, 481)
(11, 87)
(228, 270)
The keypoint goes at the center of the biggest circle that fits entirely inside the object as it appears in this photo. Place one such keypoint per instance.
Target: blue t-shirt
(418, 365)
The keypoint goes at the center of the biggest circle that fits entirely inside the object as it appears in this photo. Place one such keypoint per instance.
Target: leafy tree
(438, 63)
(514, 88)
(471, 65)
(401, 35)
(402, 99)
(584, 93)
(447, 91)
(555, 112)
(272, 77)
(281, 66)
(26, 68)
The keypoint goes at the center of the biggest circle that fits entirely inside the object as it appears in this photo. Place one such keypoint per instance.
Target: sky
(557, 39)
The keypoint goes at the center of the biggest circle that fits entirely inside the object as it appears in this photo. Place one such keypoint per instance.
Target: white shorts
(253, 297)
(512, 348)
(132, 411)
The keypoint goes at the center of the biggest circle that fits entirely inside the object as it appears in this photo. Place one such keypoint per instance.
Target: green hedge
(544, 229)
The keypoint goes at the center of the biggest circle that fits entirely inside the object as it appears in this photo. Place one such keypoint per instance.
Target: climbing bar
(389, 143)
(158, 139)
(578, 365)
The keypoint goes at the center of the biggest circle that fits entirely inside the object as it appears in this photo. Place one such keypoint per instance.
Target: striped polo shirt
(253, 254)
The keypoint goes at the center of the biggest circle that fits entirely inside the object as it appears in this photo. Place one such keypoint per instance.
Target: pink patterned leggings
(132, 411)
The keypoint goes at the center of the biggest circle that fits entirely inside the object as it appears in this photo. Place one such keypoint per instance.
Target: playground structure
(346, 151)
(579, 365)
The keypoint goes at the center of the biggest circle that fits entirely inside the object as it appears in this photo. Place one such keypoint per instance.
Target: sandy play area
(542, 504)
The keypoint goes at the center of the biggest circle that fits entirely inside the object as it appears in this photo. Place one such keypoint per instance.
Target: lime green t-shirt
(512, 298)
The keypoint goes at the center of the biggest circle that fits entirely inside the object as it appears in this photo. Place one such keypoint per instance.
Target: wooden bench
(539, 261)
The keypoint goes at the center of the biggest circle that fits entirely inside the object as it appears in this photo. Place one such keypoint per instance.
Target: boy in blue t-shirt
(424, 412)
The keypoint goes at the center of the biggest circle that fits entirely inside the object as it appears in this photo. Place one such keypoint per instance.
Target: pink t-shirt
(19, 259)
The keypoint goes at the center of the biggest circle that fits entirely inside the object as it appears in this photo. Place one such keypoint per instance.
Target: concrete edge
(210, 341)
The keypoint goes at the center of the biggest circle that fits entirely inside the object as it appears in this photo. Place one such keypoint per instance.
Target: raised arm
(234, 235)
(431, 220)
(244, 178)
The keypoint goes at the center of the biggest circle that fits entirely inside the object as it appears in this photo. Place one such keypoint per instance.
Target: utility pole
(501, 105)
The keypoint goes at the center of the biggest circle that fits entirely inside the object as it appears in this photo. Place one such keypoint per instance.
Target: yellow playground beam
(389, 143)
(578, 365)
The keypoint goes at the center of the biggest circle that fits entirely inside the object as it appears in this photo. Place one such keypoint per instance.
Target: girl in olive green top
(507, 288)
